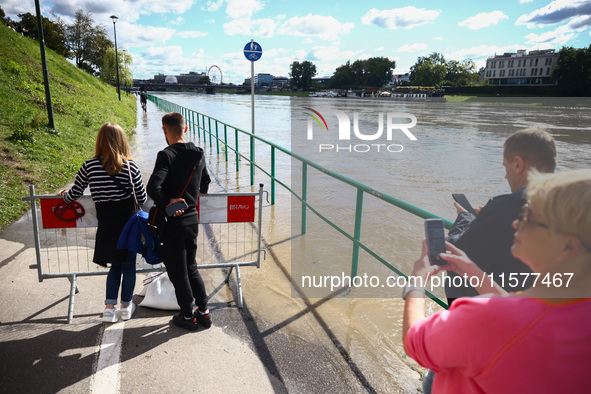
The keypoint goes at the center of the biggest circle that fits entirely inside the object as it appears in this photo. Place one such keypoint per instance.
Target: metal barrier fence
(230, 237)
(202, 125)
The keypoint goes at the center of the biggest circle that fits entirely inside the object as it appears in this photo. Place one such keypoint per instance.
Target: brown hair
(174, 123)
(535, 146)
(112, 147)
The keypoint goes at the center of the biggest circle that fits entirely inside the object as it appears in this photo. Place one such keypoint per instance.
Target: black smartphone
(434, 232)
(177, 206)
(463, 201)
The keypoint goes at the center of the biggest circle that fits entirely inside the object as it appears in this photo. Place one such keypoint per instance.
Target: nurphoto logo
(344, 131)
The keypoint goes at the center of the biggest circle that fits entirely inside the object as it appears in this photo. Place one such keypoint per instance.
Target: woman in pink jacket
(534, 341)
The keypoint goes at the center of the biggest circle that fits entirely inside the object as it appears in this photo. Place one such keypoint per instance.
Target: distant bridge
(163, 87)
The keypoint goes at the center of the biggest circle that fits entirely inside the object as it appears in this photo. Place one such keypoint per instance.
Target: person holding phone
(534, 341)
(178, 177)
(486, 235)
(112, 177)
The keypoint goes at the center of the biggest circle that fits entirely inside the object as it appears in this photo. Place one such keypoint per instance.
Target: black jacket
(172, 170)
(487, 240)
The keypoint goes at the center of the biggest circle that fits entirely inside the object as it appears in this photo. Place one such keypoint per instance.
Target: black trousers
(179, 248)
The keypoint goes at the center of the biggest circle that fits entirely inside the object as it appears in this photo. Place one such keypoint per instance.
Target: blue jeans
(127, 271)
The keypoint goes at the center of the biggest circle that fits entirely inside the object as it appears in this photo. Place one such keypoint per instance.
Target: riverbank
(31, 152)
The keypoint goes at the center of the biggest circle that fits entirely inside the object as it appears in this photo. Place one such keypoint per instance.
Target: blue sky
(177, 36)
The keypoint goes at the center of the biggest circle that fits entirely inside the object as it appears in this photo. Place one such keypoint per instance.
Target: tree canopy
(302, 74)
(573, 71)
(87, 42)
(435, 70)
(109, 68)
(372, 72)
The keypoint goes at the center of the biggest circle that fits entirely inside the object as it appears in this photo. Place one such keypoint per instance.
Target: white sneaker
(127, 312)
(110, 315)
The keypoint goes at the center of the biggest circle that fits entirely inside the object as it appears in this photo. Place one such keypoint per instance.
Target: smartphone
(463, 201)
(434, 232)
(177, 206)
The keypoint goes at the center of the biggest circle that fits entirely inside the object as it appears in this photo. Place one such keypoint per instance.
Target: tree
(429, 74)
(374, 72)
(435, 58)
(54, 33)
(87, 42)
(342, 77)
(460, 73)
(573, 71)
(109, 68)
(204, 80)
(378, 71)
(302, 74)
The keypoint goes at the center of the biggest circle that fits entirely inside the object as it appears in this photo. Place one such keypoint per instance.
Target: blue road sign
(253, 51)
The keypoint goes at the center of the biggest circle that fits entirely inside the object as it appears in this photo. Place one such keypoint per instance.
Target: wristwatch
(408, 289)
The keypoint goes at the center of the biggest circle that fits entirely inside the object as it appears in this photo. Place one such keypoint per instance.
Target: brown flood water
(458, 149)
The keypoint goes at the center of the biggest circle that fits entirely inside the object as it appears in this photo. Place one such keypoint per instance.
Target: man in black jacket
(180, 175)
(487, 237)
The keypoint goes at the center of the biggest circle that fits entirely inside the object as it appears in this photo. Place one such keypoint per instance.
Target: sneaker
(127, 312)
(110, 315)
(204, 319)
(188, 324)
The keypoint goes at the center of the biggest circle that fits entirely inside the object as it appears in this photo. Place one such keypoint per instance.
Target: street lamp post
(116, 55)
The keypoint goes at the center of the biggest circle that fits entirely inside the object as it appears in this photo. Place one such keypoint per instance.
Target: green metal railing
(197, 124)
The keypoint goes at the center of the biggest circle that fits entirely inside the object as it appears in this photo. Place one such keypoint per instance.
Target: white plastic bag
(158, 292)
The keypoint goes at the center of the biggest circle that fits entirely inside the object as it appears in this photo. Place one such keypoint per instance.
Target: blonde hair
(564, 201)
(112, 148)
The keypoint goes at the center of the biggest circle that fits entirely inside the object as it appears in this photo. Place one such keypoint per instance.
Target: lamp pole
(44, 66)
(116, 55)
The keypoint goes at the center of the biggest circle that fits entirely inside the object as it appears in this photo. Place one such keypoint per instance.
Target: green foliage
(372, 72)
(302, 74)
(87, 41)
(435, 70)
(32, 153)
(109, 67)
(573, 71)
(54, 33)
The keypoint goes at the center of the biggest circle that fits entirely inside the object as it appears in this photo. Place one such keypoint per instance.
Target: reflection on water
(459, 149)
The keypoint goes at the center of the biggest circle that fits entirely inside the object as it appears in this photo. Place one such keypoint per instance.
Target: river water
(458, 148)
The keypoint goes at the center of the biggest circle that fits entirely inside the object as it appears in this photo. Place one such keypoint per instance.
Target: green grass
(31, 152)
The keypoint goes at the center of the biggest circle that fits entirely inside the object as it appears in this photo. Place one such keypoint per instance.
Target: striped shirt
(102, 186)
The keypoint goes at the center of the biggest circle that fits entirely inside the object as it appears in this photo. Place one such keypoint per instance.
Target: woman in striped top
(113, 178)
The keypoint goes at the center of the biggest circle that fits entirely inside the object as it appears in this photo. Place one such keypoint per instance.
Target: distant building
(171, 80)
(263, 79)
(280, 81)
(521, 68)
(191, 77)
(322, 81)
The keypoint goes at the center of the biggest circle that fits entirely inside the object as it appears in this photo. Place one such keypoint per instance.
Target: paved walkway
(241, 353)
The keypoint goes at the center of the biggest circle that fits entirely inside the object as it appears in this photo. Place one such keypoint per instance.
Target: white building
(521, 68)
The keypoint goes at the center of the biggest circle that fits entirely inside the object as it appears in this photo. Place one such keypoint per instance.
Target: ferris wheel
(215, 75)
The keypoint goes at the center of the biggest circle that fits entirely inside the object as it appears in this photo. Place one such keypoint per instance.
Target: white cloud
(137, 36)
(379, 49)
(404, 18)
(525, 1)
(178, 21)
(438, 38)
(240, 9)
(557, 37)
(322, 27)
(419, 46)
(556, 12)
(328, 53)
(191, 34)
(481, 52)
(483, 19)
(263, 28)
(213, 5)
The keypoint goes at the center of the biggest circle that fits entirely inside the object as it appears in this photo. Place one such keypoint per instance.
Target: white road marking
(106, 377)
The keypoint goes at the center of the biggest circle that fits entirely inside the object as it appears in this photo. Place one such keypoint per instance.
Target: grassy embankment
(31, 152)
